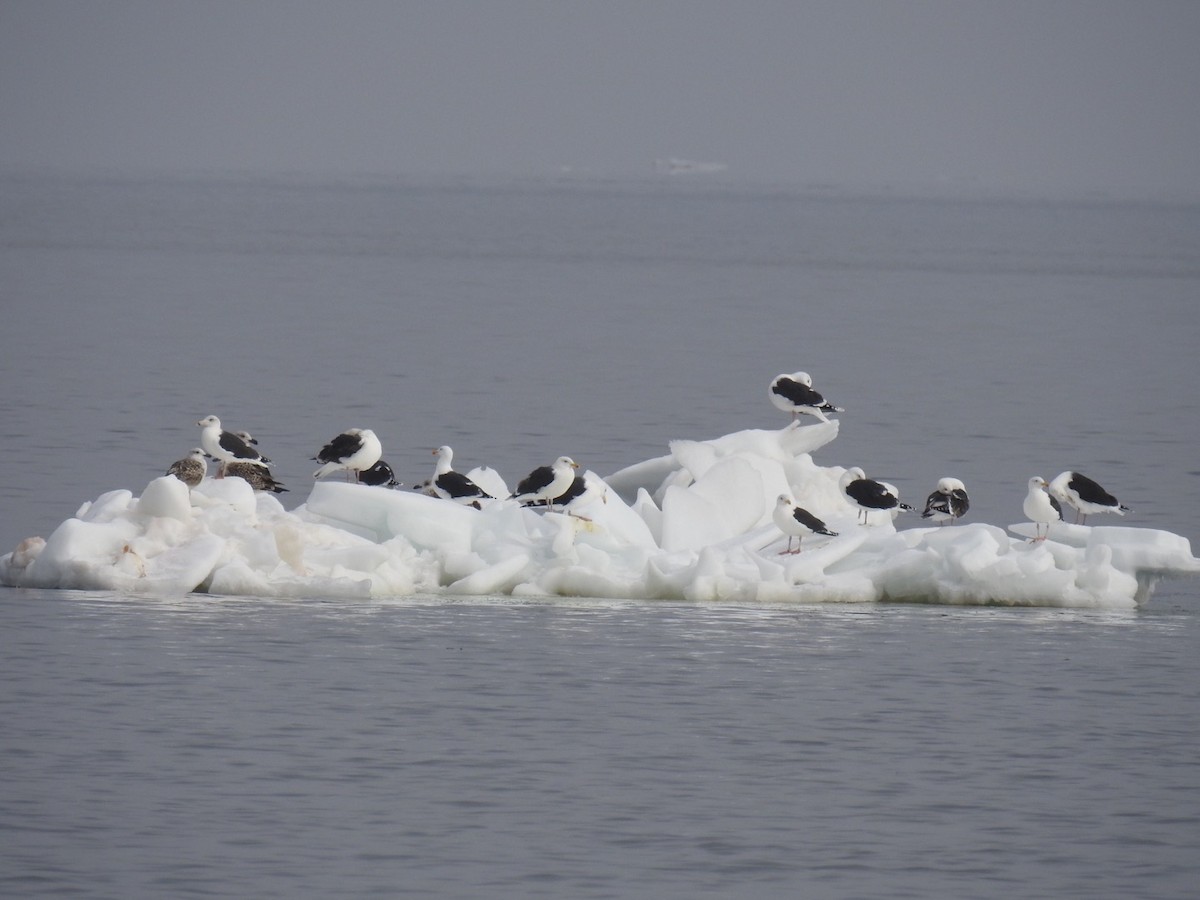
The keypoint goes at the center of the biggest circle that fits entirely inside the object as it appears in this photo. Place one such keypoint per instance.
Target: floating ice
(694, 525)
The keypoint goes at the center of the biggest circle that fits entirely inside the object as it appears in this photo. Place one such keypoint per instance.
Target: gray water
(435, 749)
(439, 747)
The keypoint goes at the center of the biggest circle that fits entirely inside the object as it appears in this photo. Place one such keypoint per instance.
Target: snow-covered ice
(694, 524)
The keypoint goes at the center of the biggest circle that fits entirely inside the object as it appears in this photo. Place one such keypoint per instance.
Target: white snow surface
(692, 525)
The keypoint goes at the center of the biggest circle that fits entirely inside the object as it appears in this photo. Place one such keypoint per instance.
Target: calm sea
(436, 747)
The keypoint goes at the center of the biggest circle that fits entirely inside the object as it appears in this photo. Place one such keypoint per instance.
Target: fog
(1076, 95)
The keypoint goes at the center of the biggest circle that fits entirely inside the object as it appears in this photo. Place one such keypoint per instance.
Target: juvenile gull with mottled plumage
(191, 469)
(256, 475)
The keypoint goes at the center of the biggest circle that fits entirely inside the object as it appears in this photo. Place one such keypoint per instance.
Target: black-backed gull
(191, 469)
(451, 485)
(579, 493)
(225, 447)
(547, 483)
(794, 393)
(1084, 496)
(948, 503)
(1039, 508)
(869, 495)
(796, 522)
(352, 451)
(378, 475)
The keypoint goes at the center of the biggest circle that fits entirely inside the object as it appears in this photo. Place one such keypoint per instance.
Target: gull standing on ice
(191, 469)
(378, 475)
(948, 503)
(796, 522)
(1040, 508)
(869, 495)
(224, 446)
(1084, 495)
(579, 493)
(546, 483)
(794, 393)
(256, 475)
(352, 450)
(451, 485)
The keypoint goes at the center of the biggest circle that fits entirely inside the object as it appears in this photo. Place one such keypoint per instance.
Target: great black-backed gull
(1084, 496)
(794, 393)
(225, 447)
(869, 495)
(948, 503)
(581, 492)
(378, 475)
(248, 437)
(547, 483)
(256, 475)
(796, 522)
(351, 451)
(191, 469)
(451, 485)
(1039, 508)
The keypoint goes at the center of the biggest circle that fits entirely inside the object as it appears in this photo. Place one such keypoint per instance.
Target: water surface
(431, 747)
(593, 749)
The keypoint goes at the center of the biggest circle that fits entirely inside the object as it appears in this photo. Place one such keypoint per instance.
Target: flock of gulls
(1043, 504)
(358, 453)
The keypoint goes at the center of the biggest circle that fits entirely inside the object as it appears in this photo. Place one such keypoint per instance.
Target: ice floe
(694, 524)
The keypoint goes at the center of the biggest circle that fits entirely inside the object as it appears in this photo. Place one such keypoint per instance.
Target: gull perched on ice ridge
(1084, 495)
(794, 393)
(191, 469)
(224, 446)
(1040, 508)
(579, 493)
(796, 522)
(546, 483)
(352, 450)
(948, 503)
(256, 475)
(451, 485)
(869, 495)
(378, 475)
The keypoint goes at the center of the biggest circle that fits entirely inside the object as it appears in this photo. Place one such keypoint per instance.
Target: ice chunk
(166, 497)
(694, 524)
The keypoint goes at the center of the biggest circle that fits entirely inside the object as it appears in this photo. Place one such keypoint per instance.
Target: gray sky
(1012, 93)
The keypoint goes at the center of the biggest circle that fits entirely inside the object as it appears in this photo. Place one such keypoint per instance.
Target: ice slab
(694, 524)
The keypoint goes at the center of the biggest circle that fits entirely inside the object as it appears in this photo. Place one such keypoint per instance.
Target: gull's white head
(854, 473)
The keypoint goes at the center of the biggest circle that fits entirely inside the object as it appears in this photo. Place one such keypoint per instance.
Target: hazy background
(1074, 95)
(404, 279)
